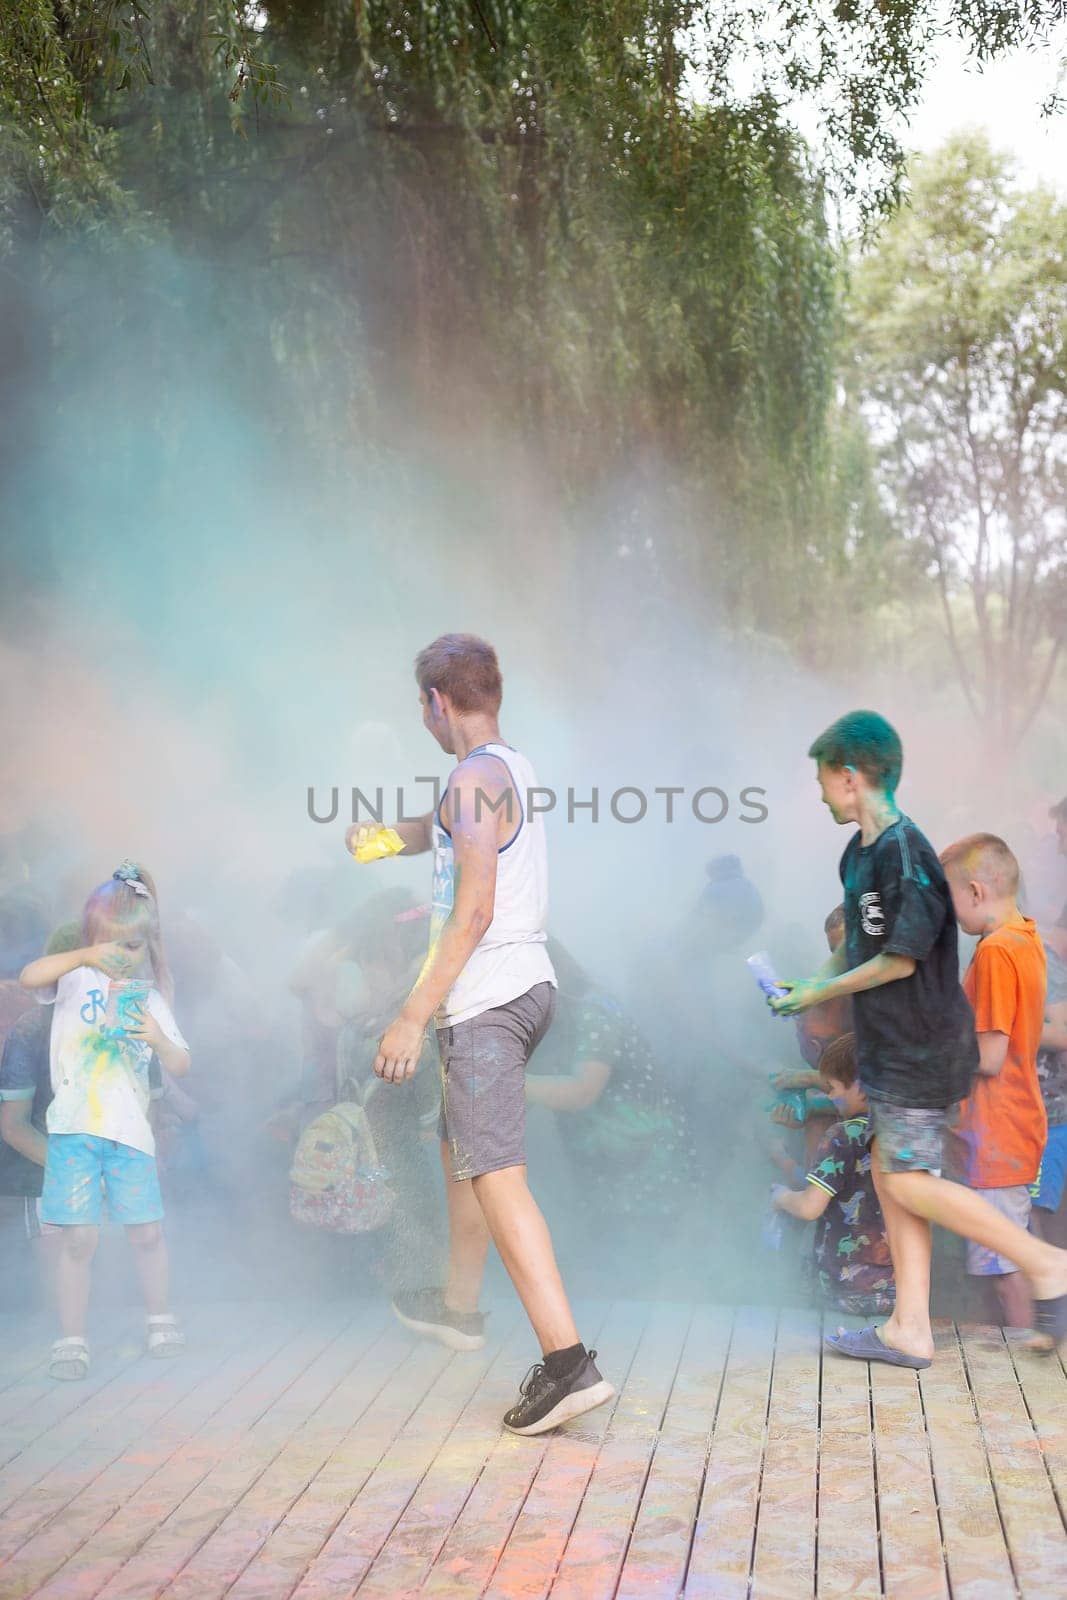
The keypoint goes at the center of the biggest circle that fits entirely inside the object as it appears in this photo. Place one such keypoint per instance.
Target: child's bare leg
(47, 1250)
(73, 1275)
(1013, 1300)
(911, 1247)
(468, 1241)
(1050, 1226)
(962, 1211)
(521, 1235)
(153, 1269)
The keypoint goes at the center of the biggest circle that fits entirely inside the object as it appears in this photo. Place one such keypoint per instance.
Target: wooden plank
(261, 1512)
(44, 1523)
(116, 1341)
(405, 1561)
(41, 1404)
(1044, 1388)
(975, 1551)
(848, 1565)
(114, 1513)
(384, 1467)
(24, 1347)
(580, 1509)
(63, 1427)
(913, 1566)
(656, 1560)
(1028, 1509)
(469, 1555)
(784, 1557)
(320, 1461)
(720, 1561)
(294, 1545)
(233, 1450)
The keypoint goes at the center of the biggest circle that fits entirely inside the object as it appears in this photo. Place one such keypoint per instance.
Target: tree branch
(1041, 692)
(963, 674)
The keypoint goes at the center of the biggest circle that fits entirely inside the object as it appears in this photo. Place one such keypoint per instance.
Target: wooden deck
(322, 1452)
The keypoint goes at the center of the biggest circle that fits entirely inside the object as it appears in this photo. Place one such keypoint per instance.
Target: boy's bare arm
(565, 1093)
(1054, 1033)
(835, 963)
(18, 1131)
(807, 1204)
(992, 1054)
(881, 969)
(310, 968)
(800, 1078)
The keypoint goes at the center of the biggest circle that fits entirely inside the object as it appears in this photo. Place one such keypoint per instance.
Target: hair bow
(130, 874)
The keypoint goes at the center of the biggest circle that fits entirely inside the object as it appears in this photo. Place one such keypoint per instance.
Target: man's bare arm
(476, 810)
(475, 803)
(417, 834)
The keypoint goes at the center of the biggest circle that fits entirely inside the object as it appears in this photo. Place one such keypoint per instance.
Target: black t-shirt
(915, 1038)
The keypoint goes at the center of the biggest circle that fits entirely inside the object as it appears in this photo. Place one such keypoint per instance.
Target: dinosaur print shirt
(851, 1250)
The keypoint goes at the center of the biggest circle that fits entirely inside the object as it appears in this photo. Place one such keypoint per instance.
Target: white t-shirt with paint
(99, 1075)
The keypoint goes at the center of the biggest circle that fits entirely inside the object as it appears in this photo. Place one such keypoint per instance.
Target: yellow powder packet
(382, 842)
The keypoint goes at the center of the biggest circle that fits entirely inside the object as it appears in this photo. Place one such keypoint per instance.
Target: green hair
(866, 741)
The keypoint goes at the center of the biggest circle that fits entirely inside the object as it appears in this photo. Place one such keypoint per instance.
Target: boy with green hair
(915, 1039)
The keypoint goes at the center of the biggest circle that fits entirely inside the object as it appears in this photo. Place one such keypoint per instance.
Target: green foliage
(960, 362)
(565, 218)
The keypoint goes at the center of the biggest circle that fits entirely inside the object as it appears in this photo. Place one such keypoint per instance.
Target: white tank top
(510, 957)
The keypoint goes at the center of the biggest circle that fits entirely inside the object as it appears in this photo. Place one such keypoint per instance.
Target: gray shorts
(911, 1138)
(483, 1082)
(1013, 1203)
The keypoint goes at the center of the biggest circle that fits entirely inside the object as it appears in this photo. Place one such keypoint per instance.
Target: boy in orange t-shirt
(1002, 1125)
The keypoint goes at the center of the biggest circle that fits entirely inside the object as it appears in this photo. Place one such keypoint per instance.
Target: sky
(1005, 99)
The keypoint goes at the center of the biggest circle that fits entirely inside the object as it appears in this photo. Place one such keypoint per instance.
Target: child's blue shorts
(72, 1191)
(1047, 1192)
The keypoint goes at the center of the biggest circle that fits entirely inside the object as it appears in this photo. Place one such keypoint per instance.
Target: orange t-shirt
(1003, 1124)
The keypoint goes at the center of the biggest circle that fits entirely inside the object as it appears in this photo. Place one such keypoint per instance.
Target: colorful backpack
(336, 1181)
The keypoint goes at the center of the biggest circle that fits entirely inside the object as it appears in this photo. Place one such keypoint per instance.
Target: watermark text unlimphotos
(627, 804)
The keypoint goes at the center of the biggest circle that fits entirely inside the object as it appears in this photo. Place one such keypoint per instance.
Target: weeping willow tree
(567, 218)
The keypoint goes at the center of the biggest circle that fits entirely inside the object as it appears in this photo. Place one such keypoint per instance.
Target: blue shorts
(1047, 1192)
(72, 1191)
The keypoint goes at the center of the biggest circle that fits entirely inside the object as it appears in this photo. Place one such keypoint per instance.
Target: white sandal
(69, 1359)
(165, 1338)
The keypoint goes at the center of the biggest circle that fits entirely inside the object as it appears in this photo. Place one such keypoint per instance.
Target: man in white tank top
(489, 988)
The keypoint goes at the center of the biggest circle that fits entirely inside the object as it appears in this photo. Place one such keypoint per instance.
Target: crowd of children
(940, 1080)
(905, 1078)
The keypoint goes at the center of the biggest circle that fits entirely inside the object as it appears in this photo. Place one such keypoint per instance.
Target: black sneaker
(424, 1311)
(544, 1401)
